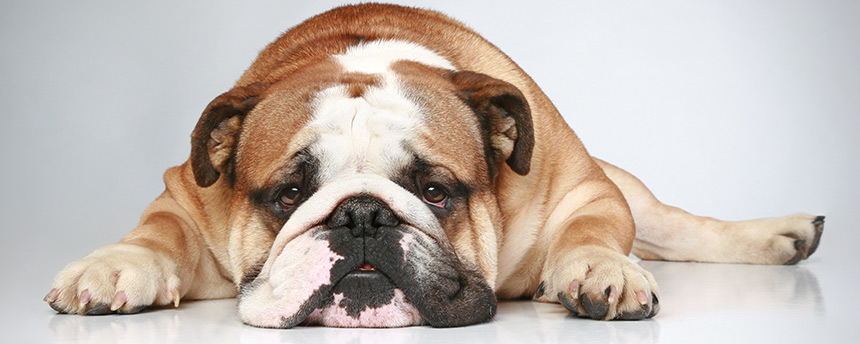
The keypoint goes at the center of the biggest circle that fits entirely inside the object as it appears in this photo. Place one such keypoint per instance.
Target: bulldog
(383, 166)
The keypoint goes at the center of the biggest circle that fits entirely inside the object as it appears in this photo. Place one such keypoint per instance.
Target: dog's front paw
(599, 283)
(119, 278)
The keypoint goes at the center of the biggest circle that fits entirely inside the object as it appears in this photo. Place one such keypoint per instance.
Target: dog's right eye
(434, 194)
(289, 197)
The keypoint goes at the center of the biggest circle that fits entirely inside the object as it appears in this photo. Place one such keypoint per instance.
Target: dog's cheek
(303, 267)
(289, 289)
(472, 232)
(248, 247)
(447, 291)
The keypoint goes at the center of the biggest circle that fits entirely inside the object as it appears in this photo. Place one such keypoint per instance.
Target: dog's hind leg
(665, 232)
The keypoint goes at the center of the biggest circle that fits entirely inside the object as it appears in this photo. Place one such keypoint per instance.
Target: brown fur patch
(357, 83)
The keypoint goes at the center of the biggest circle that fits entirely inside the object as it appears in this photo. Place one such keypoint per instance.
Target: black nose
(363, 215)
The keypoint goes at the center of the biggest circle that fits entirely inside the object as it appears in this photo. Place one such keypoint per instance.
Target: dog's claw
(611, 294)
(642, 297)
(540, 290)
(176, 298)
(819, 229)
(83, 300)
(118, 301)
(574, 289)
(819, 220)
(52, 295)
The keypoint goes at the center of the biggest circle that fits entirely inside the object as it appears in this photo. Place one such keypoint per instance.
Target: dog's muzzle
(367, 264)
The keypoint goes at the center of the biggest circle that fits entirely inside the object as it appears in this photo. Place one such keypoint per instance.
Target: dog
(385, 166)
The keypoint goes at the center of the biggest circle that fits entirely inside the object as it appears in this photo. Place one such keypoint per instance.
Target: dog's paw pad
(596, 306)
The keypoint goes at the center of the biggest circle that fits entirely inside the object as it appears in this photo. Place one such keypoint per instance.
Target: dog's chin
(366, 298)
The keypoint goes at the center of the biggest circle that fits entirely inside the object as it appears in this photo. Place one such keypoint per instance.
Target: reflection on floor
(712, 302)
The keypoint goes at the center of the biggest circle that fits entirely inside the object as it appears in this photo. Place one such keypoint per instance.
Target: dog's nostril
(339, 219)
(385, 218)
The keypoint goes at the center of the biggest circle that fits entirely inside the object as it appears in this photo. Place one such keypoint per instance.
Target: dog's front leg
(589, 235)
(157, 263)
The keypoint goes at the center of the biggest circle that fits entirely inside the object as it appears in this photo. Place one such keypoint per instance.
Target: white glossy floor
(731, 109)
(808, 303)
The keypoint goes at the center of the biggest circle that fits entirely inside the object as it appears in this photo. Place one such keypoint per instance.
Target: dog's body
(386, 166)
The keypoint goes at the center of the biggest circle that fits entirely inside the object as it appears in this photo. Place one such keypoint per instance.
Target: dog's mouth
(365, 297)
(365, 267)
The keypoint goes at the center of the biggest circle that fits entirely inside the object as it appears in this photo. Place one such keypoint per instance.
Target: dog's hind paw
(783, 240)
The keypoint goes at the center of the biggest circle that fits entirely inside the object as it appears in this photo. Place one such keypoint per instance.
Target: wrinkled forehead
(372, 110)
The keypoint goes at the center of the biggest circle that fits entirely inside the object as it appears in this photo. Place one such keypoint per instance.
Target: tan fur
(565, 223)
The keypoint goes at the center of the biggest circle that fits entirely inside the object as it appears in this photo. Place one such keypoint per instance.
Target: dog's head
(361, 187)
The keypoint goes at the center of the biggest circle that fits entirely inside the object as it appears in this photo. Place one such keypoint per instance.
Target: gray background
(732, 109)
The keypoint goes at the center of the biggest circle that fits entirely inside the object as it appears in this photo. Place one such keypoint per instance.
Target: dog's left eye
(289, 197)
(435, 195)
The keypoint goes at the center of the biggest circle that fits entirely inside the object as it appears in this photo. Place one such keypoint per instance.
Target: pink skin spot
(303, 267)
(398, 313)
(404, 243)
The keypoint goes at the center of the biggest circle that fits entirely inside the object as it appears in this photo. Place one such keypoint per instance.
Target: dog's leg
(589, 235)
(668, 233)
(157, 263)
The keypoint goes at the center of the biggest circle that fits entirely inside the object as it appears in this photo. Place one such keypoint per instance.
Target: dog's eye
(434, 194)
(289, 196)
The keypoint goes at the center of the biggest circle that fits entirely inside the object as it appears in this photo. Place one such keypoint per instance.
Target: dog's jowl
(383, 166)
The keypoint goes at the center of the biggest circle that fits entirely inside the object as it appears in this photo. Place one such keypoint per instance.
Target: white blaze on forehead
(371, 133)
(376, 57)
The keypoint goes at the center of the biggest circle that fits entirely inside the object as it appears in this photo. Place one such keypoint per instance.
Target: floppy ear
(213, 140)
(506, 121)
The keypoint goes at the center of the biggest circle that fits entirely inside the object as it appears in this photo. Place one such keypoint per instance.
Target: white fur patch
(369, 134)
(365, 135)
(377, 56)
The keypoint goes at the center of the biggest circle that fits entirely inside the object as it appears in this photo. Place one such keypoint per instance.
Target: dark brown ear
(214, 138)
(505, 119)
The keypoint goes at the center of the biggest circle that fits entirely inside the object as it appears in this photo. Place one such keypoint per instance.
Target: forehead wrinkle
(285, 162)
(363, 134)
(451, 132)
(277, 128)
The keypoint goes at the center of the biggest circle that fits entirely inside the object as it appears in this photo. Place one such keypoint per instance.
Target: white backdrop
(734, 109)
